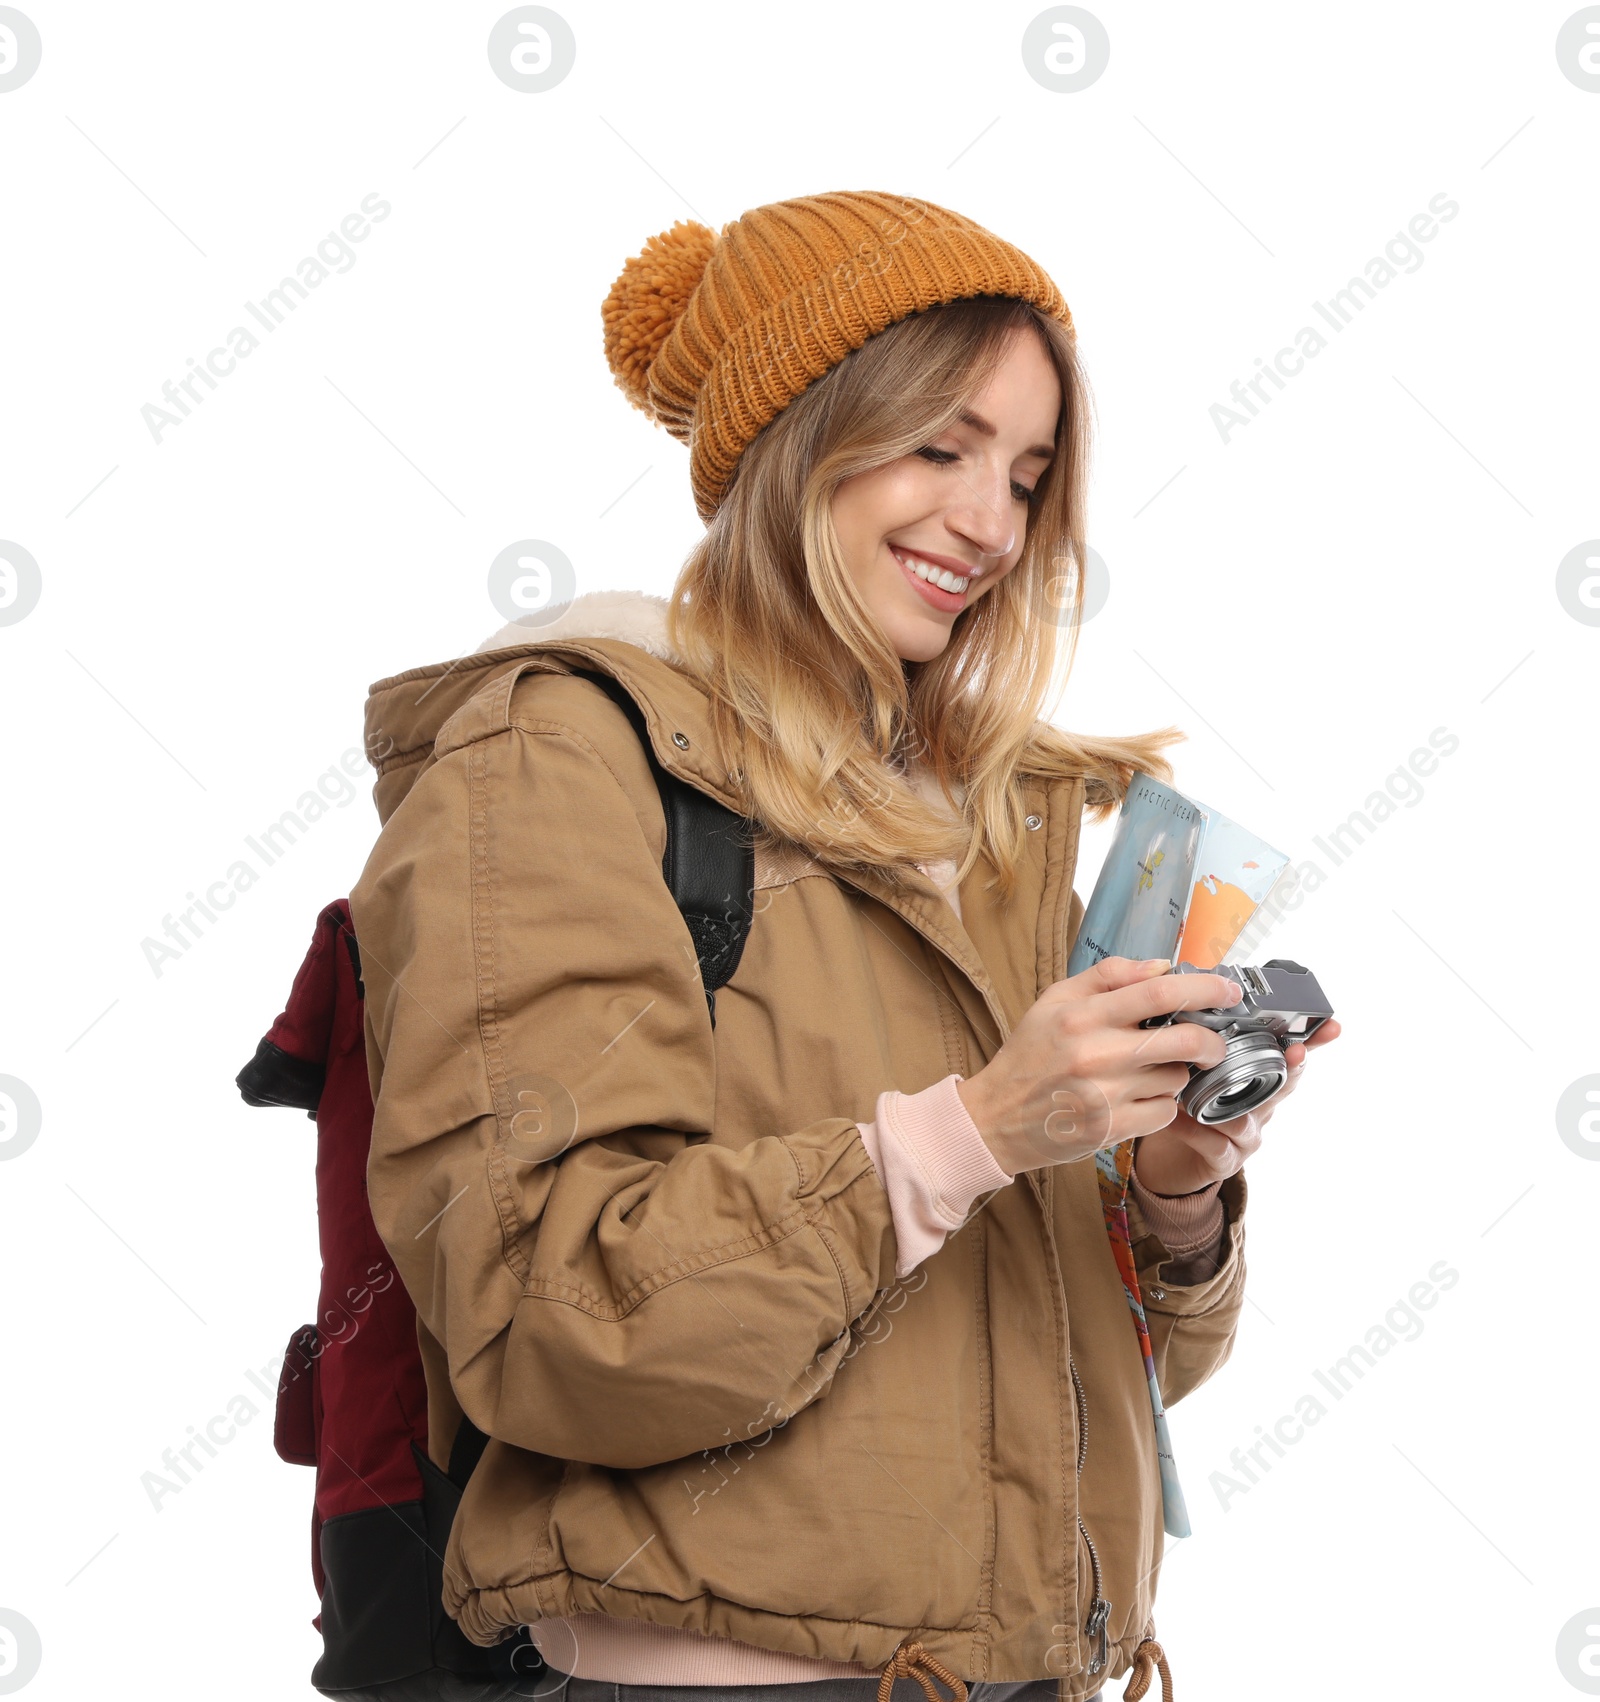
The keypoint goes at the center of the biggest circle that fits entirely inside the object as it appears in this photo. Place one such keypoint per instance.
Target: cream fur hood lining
(637, 617)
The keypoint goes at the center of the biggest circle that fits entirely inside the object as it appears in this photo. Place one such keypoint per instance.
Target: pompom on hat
(713, 335)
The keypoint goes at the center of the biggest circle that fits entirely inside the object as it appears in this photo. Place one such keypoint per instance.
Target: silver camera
(1282, 1003)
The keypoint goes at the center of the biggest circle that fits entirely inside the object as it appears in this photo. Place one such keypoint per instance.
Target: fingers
(1145, 1116)
(1164, 1080)
(1186, 1042)
(1112, 973)
(1161, 995)
(1297, 1054)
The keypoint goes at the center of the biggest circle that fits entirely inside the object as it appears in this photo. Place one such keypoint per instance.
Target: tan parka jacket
(652, 1259)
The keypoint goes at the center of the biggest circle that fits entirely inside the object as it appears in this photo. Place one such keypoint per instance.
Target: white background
(1372, 558)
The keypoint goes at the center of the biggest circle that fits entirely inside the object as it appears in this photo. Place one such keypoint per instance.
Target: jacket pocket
(295, 1421)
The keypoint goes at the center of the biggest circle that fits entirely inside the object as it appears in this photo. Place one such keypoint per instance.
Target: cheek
(872, 506)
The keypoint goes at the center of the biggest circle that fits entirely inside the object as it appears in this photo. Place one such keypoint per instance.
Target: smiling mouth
(933, 584)
(955, 584)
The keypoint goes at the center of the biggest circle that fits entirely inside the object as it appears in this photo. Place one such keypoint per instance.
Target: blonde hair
(815, 715)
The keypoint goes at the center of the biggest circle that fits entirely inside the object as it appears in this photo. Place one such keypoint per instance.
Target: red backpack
(352, 1399)
(352, 1402)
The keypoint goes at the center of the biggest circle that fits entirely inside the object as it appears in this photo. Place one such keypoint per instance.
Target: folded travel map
(1180, 881)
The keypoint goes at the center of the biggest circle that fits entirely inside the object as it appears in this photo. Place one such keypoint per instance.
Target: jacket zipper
(1083, 1412)
(1099, 1608)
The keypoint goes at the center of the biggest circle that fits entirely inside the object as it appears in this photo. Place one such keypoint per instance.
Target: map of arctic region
(1180, 881)
(1142, 893)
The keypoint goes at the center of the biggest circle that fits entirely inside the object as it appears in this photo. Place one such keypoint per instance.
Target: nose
(982, 512)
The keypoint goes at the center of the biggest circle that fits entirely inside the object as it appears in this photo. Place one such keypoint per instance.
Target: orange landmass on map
(1213, 924)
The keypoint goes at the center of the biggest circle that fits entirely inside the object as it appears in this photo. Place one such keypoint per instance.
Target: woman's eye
(943, 458)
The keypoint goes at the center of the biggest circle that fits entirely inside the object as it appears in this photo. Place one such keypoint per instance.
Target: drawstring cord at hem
(1148, 1659)
(911, 1660)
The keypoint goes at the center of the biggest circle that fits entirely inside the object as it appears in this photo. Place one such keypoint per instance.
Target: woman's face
(957, 508)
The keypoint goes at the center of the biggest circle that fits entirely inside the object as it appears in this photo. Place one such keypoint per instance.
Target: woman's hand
(1185, 1156)
(1077, 1073)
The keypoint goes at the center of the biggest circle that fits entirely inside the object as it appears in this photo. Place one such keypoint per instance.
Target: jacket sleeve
(608, 1284)
(1192, 1326)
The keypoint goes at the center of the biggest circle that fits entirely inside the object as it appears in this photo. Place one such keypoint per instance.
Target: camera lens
(1251, 1072)
(1242, 1098)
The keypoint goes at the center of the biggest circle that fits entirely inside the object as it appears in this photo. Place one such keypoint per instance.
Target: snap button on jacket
(652, 1259)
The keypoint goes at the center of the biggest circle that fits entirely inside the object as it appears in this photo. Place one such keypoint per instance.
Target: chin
(921, 643)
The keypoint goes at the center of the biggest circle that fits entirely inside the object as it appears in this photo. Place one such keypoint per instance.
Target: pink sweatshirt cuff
(1191, 1226)
(933, 1164)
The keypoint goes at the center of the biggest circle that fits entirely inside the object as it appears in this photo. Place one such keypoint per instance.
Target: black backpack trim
(710, 861)
(275, 1077)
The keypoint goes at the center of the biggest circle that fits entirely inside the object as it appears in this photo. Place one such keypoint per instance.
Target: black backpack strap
(710, 863)
(466, 1451)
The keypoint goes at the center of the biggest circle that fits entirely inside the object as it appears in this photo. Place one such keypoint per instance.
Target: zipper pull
(1099, 1613)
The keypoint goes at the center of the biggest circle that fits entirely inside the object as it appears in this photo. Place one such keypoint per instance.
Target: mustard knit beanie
(715, 335)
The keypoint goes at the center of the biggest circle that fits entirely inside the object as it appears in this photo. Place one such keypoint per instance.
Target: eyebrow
(1045, 451)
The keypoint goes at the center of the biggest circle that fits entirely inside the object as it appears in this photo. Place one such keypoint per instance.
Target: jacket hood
(635, 617)
(411, 716)
(623, 633)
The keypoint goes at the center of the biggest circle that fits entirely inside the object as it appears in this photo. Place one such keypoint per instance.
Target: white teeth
(942, 577)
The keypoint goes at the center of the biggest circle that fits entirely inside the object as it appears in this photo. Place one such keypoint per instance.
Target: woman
(797, 1325)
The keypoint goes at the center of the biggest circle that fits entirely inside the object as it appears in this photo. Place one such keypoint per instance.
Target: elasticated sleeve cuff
(1192, 1228)
(933, 1163)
